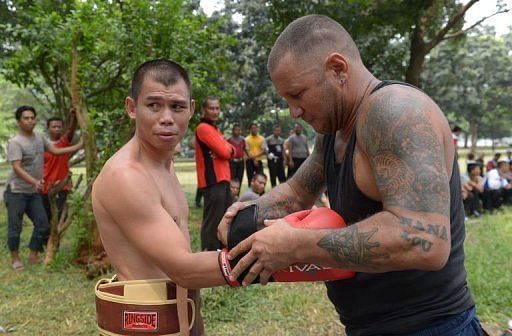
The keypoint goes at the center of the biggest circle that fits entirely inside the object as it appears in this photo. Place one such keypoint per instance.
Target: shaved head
(312, 36)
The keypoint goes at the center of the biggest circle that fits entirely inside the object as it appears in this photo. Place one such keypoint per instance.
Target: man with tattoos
(386, 156)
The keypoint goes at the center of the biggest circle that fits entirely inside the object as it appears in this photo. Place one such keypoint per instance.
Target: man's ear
(129, 105)
(338, 63)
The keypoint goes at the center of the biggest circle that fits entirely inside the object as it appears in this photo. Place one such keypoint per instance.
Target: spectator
(472, 189)
(237, 161)
(255, 152)
(256, 189)
(234, 190)
(275, 156)
(56, 167)
(492, 164)
(497, 189)
(455, 135)
(298, 150)
(213, 153)
(199, 192)
(25, 152)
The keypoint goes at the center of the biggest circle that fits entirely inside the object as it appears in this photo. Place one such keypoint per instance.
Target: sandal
(18, 266)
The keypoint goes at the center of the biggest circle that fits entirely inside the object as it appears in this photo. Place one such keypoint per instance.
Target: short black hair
(254, 124)
(163, 71)
(22, 108)
(236, 125)
(259, 174)
(277, 126)
(54, 119)
(205, 101)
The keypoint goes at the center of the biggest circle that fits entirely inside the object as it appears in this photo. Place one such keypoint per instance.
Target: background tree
(472, 82)
(83, 53)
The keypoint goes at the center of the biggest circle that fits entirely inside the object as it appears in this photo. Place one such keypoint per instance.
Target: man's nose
(167, 117)
(296, 111)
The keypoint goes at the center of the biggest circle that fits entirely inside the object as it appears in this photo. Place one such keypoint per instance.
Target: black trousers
(276, 169)
(297, 162)
(216, 202)
(237, 170)
(472, 202)
(252, 168)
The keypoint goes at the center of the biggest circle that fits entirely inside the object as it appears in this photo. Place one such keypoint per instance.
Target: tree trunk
(417, 57)
(90, 248)
(473, 129)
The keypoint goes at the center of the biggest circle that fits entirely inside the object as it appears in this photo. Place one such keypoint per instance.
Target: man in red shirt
(213, 154)
(56, 167)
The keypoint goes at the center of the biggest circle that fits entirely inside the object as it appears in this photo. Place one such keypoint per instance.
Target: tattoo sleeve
(406, 155)
(296, 194)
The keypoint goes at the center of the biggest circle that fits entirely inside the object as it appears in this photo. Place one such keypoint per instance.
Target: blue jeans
(463, 324)
(17, 205)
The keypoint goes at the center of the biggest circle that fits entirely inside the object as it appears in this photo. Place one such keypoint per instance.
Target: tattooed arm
(403, 138)
(404, 141)
(298, 193)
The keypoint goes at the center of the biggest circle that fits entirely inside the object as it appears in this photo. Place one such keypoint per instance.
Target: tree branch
(449, 25)
(459, 33)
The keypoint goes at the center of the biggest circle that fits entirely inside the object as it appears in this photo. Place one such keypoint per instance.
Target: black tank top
(393, 302)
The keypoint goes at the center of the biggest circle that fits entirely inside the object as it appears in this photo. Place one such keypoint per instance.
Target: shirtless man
(138, 202)
(386, 156)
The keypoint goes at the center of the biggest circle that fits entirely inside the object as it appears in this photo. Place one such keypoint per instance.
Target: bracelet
(225, 268)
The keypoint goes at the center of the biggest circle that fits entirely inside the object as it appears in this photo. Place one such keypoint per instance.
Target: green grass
(59, 300)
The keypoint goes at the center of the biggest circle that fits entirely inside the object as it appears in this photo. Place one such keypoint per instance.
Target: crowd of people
(222, 160)
(39, 163)
(487, 186)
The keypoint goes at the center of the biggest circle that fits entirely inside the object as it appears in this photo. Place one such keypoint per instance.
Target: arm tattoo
(411, 226)
(311, 179)
(276, 205)
(406, 156)
(350, 247)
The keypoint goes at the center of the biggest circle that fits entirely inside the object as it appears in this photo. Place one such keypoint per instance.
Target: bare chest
(174, 201)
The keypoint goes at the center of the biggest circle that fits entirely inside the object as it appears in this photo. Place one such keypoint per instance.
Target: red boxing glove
(320, 218)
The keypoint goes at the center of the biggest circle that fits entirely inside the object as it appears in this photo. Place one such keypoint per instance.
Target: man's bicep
(407, 158)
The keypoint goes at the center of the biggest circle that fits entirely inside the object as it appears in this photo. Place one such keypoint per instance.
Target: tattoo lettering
(406, 155)
(417, 241)
(435, 230)
(351, 247)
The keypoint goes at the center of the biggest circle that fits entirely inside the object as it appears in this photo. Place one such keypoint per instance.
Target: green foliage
(472, 81)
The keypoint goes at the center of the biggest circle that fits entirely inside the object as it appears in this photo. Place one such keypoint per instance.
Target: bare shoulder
(407, 140)
(120, 177)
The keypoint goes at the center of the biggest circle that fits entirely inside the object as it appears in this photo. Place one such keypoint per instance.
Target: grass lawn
(59, 300)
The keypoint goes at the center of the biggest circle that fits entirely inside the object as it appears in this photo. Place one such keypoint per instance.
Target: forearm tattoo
(411, 228)
(351, 247)
(276, 205)
(406, 156)
(311, 179)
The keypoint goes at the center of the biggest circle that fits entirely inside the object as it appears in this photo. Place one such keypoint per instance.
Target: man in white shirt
(497, 189)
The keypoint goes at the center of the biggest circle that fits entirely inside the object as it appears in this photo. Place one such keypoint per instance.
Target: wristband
(225, 268)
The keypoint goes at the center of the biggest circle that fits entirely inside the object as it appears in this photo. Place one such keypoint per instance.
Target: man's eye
(153, 106)
(178, 107)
